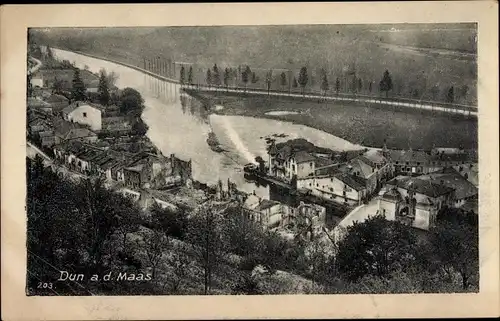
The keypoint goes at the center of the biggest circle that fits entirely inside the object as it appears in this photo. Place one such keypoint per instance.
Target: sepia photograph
(229, 161)
(180, 160)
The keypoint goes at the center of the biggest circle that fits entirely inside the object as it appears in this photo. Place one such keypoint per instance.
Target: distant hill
(424, 60)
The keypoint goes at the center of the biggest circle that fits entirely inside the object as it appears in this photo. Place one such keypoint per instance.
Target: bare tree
(205, 235)
(155, 243)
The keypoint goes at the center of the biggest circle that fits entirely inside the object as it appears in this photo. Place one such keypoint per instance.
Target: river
(179, 124)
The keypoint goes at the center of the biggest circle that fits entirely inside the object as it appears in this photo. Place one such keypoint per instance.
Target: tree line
(286, 81)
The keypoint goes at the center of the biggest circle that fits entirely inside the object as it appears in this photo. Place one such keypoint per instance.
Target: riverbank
(354, 122)
(360, 124)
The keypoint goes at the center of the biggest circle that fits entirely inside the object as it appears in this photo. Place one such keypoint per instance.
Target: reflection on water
(179, 124)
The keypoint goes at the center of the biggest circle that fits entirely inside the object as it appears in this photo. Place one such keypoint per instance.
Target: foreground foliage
(85, 228)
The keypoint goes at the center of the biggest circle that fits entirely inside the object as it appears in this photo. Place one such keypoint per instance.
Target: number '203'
(43, 285)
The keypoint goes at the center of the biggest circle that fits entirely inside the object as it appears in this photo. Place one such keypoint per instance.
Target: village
(103, 140)
(409, 186)
(89, 128)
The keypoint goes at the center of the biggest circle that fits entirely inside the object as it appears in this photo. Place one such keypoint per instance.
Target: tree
(295, 84)
(455, 241)
(450, 96)
(337, 86)
(303, 78)
(182, 77)
(354, 84)
(204, 232)
(434, 92)
(226, 77)
(131, 101)
(208, 78)
(463, 91)
(30, 86)
(386, 83)
(324, 81)
(50, 54)
(156, 242)
(375, 247)
(246, 75)
(246, 285)
(190, 75)
(180, 263)
(102, 208)
(78, 91)
(262, 163)
(112, 77)
(58, 86)
(128, 220)
(173, 222)
(241, 235)
(269, 79)
(216, 76)
(283, 81)
(254, 78)
(139, 127)
(103, 90)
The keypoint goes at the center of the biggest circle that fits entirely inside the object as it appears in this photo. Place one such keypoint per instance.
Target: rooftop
(375, 156)
(355, 182)
(409, 156)
(424, 187)
(303, 157)
(463, 188)
(78, 104)
(54, 98)
(266, 204)
(37, 103)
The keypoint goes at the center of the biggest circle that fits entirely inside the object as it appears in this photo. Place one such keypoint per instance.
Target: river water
(179, 124)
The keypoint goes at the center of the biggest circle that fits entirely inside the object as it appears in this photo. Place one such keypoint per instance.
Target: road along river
(179, 124)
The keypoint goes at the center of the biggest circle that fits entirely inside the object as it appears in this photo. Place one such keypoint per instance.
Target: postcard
(184, 161)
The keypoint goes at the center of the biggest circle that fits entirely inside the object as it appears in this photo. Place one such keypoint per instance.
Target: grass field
(424, 60)
(363, 125)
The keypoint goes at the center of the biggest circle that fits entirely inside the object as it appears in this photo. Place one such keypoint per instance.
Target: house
(47, 138)
(39, 124)
(412, 162)
(84, 114)
(39, 104)
(66, 131)
(148, 170)
(418, 162)
(58, 102)
(41, 93)
(37, 80)
(465, 191)
(307, 220)
(375, 174)
(296, 158)
(414, 201)
(266, 213)
(339, 187)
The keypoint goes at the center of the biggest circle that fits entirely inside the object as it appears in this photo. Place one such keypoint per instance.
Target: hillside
(424, 60)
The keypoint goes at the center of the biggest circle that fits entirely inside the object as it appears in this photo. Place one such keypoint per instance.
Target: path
(406, 103)
(36, 66)
(359, 214)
